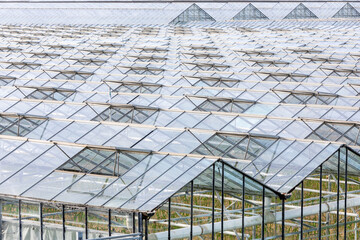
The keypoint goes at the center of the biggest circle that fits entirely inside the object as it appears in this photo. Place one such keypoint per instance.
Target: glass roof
(129, 116)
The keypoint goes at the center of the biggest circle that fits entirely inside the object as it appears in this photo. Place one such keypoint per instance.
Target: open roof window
(18, 125)
(108, 162)
(192, 14)
(347, 11)
(203, 55)
(250, 12)
(298, 97)
(23, 65)
(128, 114)
(148, 58)
(58, 94)
(300, 12)
(71, 75)
(282, 77)
(44, 55)
(224, 105)
(135, 87)
(87, 61)
(10, 49)
(143, 70)
(340, 132)
(212, 81)
(267, 63)
(234, 146)
(5, 80)
(206, 66)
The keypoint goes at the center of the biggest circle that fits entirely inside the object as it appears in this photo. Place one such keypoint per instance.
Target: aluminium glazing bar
(213, 203)
(191, 208)
(63, 222)
(338, 197)
(20, 224)
(320, 202)
(222, 199)
(41, 221)
(346, 192)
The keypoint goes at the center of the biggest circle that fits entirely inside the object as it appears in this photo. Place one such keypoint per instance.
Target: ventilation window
(143, 70)
(234, 146)
(204, 55)
(57, 94)
(60, 47)
(71, 75)
(206, 66)
(308, 97)
(114, 45)
(284, 77)
(224, 105)
(192, 14)
(212, 81)
(137, 87)
(300, 12)
(10, 49)
(23, 65)
(347, 11)
(304, 50)
(127, 114)
(322, 59)
(149, 31)
(103, 161)
(148, 58)
(255, 52)
(214, 30)
(87, 61)
(347, 133)
(152, 49)
(19, 125)
(342, 72)
(203, 48)
(267, 63)
(100, 52)
(44, 55)
(182, 31)
(250, 12)
(5, 80)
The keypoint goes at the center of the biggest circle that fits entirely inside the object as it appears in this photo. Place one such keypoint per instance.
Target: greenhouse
(179, 120)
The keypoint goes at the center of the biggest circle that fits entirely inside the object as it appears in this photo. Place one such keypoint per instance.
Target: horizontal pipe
(253, 220)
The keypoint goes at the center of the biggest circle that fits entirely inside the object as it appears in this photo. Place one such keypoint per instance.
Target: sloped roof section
(192, 14)
(300, 12)
(250, 12)
(347, 11)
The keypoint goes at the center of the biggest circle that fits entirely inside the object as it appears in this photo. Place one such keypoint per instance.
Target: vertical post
(222, 200)
(146, 227)
(134, 223)
(243, 210)
(320, 202)
(283, 219)
(338, 197)
(169, 219)
(86, 224)
(213, 205)
(302, 211)
(345, 200)
(109, 223)
(263, 215)
(20, 226)
(140, 223)
(41, 221)
(191, 209)
(63, 222)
